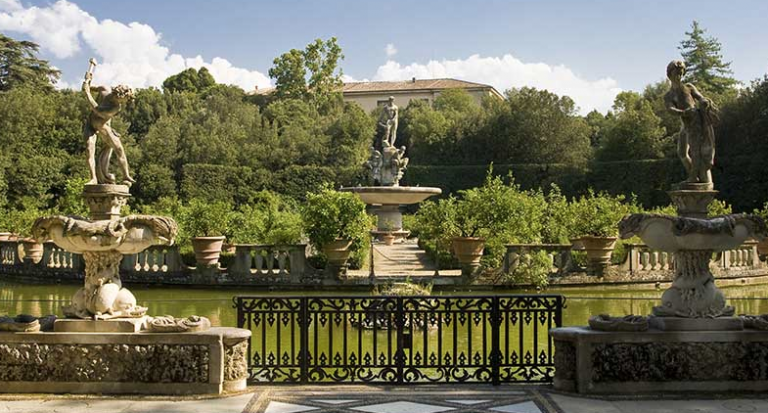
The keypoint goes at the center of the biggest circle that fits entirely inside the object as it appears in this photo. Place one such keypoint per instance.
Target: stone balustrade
(270, 265)
(274, 262)
(559, 255)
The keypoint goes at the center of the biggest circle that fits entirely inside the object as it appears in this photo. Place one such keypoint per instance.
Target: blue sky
(588, 49)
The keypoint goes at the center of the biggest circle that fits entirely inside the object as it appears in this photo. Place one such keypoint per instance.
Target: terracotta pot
(389, 239)
(576, 244)
(762, 247)
(5, 236)
(32, 250)
(598, 249)
(207, 250)
(468, 250)
(337, 251)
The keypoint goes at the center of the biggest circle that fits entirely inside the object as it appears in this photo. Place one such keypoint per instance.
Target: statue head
(391, 99)
(122, 93)
(675, 70)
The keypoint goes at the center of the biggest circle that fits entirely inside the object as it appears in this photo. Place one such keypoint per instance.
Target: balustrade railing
(558, 254)
(272, 261)
(641, 258)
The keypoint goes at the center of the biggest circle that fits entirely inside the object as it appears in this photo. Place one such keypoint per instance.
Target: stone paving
(386, 399)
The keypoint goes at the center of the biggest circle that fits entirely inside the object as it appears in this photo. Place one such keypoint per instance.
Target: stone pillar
(692, 203)
(105, 200)
(390, 221)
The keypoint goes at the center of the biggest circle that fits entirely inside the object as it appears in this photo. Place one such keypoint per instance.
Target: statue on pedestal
(99, 122)
(388, 123)
(696, 145)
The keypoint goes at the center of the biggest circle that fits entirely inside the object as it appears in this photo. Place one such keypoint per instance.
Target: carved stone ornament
(171, 324)
(236, 361)
(605, 322)
(756, 322)
(24, 323)
(145, 363)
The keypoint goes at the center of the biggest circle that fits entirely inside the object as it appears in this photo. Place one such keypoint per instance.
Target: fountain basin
(393, 195)
(675, 233)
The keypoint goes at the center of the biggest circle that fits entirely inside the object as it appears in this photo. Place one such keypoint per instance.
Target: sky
(588, 50)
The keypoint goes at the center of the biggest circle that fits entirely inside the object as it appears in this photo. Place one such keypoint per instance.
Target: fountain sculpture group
(387, 164)
(132, 352)
(692, 341)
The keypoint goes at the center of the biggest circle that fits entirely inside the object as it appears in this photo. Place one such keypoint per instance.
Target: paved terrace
(388, 399)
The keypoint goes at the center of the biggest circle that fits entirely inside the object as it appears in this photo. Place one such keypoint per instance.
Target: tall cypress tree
(705, 66)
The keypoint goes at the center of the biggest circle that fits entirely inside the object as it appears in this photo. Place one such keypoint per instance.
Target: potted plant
(335, 223)
(479, 213)
(206, 223)
(595, 225)
(20, 223)
(388, 237)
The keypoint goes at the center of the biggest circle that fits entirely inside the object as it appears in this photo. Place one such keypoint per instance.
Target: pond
(216, 304)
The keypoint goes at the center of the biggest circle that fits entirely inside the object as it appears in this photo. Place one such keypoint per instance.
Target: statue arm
(87, 90)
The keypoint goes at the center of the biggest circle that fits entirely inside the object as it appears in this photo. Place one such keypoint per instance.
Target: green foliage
(718, 207)
(310, 74)
(272, 220)
(597, 215)
(72, 202)
(190, 80)
(206, 219)
(533, 269)
(705, 67)
(329, 215)
(635, 132)
(19, 221)
(20, 67)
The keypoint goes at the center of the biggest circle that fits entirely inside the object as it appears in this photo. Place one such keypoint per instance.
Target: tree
(190, 80)
(310, 73)
(535, 126)
(705, 67)
(635, 132)
(19, 66)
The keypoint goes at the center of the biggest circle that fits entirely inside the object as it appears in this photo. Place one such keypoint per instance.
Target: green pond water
(216, 304)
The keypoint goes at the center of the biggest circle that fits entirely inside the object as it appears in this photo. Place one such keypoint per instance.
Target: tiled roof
(398, 85)
(415, 84)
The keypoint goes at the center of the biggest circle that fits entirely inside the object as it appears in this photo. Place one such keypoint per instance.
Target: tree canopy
(705, 66)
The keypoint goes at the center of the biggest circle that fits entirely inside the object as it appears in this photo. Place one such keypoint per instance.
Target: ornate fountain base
(693, 293)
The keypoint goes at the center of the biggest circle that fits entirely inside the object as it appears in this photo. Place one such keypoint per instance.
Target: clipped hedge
(233, 184)
(742, 181)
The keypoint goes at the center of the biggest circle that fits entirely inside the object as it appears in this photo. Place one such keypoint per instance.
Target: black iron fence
(492, 339)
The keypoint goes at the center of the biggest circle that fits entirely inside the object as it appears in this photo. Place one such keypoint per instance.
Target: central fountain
(387, 164)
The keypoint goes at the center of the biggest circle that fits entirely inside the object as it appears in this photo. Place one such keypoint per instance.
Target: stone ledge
(117, 325)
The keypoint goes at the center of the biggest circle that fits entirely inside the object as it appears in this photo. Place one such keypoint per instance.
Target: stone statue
(374, 163)
(388, 122)
(99, 123)
(696, 145)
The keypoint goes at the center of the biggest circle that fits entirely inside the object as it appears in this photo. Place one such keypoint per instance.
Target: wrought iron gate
(324, 339)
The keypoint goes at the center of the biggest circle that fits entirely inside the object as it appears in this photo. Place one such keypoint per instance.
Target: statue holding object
(99, 122)
(699, 116)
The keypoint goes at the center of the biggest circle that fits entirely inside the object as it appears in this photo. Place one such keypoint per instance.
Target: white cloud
(131, 53)
(10, 5)
(390, 50)
(507, 72)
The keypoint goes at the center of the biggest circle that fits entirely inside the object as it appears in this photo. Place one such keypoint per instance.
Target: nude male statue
(696, 145)
(99, 122)
(388, 122)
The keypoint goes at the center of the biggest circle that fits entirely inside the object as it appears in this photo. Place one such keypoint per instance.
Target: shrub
(533, 269)
(329, 214)
(206, 219)
(271, 220)
(597, 215)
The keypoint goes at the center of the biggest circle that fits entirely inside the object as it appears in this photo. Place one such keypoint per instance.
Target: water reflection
(216, 304)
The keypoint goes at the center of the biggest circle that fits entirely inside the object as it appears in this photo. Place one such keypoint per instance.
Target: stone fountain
(692, 341)
(132, 352)
(387, 164)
